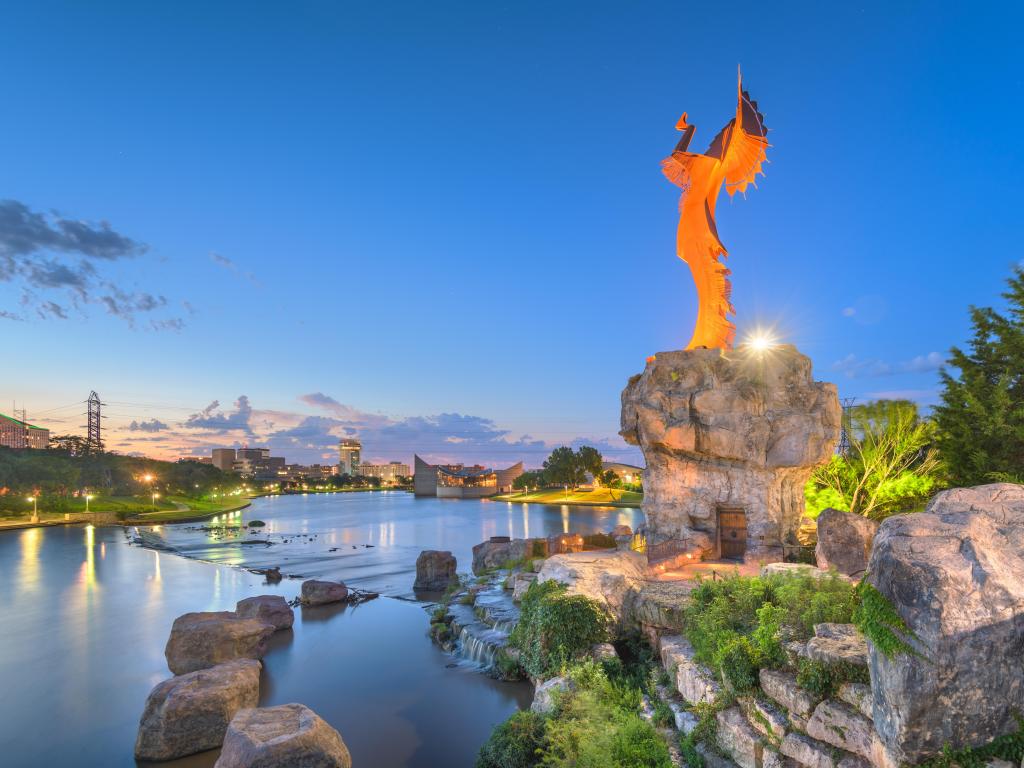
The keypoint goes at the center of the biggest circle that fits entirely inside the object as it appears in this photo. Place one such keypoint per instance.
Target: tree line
(568, 468)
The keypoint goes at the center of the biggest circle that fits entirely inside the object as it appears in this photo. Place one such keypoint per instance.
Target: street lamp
(88, 498)
(35, 508)
(155, 497)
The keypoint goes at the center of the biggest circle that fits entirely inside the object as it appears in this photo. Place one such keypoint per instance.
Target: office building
(349, 456)
(224, 459)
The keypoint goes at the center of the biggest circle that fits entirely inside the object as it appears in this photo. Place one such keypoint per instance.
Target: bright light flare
(760, 341)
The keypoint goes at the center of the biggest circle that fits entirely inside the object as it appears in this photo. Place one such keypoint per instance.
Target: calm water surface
(85, 616)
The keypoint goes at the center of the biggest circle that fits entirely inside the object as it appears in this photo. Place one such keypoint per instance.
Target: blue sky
(442, 225)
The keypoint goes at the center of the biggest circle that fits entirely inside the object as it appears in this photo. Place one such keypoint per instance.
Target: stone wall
(729, 429)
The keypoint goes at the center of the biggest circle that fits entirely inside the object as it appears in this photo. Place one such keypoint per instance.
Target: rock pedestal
(955, 575)
(731, 435)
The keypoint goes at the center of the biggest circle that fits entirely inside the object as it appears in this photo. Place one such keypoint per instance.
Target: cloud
(853, 367)
(47, 253)
(304, 438)
(153, 425)
(211, 420)
(232, 267)
(5, 315)
(24, 232)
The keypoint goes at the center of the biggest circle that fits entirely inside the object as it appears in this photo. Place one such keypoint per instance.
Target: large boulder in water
(202, 640)
(955, 575)
(316, 592)
(844, 541)
(273, 609)
(190, 713)
(282, 737)
(435, 570)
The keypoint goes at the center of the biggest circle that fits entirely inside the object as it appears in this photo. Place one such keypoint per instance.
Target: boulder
(840, 725)
(844, 542)
(712, 757)
(858, 696)
(520, 583)
(695, 682)
(435, 570)
(953, 574)
(660, 604)
(765, 717)
(794, 569)
(316, 592)
(621, 530)
(273, 609)
(610, 577)
(488, 555)
(202, 640)
(603, 652)
(721, 430)
(809, 752)
(837, 643)
(738, 739)
(190, 713)
(281, 737)
(783, 688)
(545, 695)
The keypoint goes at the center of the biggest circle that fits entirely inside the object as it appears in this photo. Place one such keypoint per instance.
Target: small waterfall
(476, 649)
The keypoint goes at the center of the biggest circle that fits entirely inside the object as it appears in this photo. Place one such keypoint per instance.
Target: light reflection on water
(85, 617)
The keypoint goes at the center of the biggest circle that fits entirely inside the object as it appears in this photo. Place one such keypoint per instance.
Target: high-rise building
(349, 456)
(224, 459)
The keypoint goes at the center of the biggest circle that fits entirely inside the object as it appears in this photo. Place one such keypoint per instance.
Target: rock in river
(435, 570)
(322, 592)
(190, 713)
(202, 640)
(273, 609)
(282, 737)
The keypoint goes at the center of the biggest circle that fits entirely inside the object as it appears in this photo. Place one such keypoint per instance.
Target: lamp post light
(88, 498)
(155, 497)
(35, 508)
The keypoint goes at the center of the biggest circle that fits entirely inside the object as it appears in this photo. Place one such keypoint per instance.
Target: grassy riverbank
(598, 497)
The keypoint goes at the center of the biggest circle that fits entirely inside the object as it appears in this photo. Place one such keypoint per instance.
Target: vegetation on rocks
(556, 628)
(877, 619)
(737, 625)
(596, 724)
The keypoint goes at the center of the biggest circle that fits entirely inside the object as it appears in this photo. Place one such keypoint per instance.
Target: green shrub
(597, 726)
(515, 743)
(662, 717)
(738, 662)
(556, 629)
(824, 679)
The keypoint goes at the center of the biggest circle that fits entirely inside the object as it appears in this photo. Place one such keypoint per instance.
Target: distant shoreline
(627, 499)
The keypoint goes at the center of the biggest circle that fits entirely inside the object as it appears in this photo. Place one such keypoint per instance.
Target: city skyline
(504, 239)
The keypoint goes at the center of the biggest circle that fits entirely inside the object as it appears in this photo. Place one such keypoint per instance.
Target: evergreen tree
(981, 418)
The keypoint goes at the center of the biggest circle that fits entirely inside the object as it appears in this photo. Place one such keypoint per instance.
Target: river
(85, 616)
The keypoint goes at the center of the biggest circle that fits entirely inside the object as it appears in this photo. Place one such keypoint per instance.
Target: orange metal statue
(734, 158)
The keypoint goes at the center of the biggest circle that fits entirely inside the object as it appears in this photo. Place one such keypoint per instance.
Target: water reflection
(84, 635)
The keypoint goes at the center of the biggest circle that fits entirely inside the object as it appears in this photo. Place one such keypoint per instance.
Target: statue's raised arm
(734, 159)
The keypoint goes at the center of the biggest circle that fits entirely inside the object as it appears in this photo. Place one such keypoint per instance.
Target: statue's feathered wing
(733, 159)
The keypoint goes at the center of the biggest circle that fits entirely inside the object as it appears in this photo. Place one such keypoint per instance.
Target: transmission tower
(93, 438)
(843, 449)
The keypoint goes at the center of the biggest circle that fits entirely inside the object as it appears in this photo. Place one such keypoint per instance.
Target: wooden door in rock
(732, 532)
